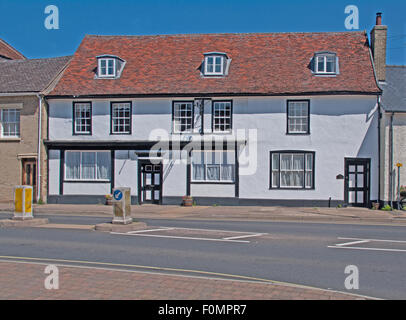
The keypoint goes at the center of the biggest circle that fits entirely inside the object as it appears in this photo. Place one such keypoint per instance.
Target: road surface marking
(150, 230)
(378, 240)
(349, 245)
(352, 242)
(178, 237)
(246, 236)
(371, 249)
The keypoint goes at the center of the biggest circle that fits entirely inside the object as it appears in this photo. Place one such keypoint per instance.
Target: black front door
(149, 182)
(357, 182)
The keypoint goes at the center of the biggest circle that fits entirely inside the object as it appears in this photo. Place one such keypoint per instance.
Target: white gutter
(38, 195)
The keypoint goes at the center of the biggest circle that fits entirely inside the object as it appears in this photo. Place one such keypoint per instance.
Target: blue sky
(22, 21)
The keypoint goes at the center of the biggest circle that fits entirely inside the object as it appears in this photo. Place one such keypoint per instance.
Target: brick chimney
(378, 46)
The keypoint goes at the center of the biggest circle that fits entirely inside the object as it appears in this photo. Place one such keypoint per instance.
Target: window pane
(275, 161)
(72, 165)
(103, 165)
(213, 172)
(320, 64)
(88, 165)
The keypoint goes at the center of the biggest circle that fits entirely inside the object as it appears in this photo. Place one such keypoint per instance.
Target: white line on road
(246, 236)
(371, 249)
(379, 240)
(177, 237)
(352, 242)
(150, 230)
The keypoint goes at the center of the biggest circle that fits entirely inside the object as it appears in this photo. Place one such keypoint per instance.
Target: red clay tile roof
(8, 52)
(269, 63)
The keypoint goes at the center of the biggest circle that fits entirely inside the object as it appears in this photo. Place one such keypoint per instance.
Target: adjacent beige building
(23, 122)
(393, 135)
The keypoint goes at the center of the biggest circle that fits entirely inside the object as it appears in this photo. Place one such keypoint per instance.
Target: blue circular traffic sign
(117, 195)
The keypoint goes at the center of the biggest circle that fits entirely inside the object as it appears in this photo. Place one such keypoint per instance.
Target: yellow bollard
(23, 203)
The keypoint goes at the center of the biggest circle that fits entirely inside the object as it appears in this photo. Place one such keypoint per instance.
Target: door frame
(366, 162)
(140, 183)
(32, 161)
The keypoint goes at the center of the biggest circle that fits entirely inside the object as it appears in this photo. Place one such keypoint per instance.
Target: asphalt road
(300, 253)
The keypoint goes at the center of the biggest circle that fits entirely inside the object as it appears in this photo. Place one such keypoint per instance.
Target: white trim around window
(325, 63)
(106, 67)
(10, 123)
(214, 65)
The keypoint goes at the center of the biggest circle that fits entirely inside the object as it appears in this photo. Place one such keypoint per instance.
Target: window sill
(293, 188)
(212, 182)
(87, 181)
(298, 133)
(5, 139)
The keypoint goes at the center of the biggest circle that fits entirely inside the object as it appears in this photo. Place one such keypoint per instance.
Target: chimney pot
(378, 18)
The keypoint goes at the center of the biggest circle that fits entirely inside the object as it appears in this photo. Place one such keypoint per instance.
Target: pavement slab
(25, 281)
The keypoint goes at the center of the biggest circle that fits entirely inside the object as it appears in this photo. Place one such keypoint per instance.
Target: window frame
(214, 73)
(213, 116)
(112, 132)
(192, 102)
(74, 132)
(304, 153)
(99, 68)
(308, 117)
(207, 181)
(16, 110)
(65, 179)
(325, 56)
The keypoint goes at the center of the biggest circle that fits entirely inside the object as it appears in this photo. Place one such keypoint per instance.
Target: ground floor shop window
(213, 166)
(87, 165)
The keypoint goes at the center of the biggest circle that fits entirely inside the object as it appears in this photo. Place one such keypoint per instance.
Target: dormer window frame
(214, 56)
(325, 56)
(106, 59)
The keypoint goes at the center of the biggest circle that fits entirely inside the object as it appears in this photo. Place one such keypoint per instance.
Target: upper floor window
(10, 123)
(215, 64)
(182, 116)
(298, 117)
(109, 66)
(121, 116)
(325, 63)
(82, 118)
(222, 116)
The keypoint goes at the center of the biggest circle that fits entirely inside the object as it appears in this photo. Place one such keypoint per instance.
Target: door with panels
(357, 182)
(149, 182)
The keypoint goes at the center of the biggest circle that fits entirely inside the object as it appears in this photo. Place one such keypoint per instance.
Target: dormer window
(325, 63)
(215, 64)
(109, 66)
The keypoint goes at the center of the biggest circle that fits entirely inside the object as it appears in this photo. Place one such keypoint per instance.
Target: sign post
(122, 206)
(399, 165)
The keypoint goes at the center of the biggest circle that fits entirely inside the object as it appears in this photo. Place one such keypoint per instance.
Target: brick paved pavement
(26, 281)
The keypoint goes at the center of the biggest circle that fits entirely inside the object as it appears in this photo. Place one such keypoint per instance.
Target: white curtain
(88, 165)
(198, 172)
(72, 164)
(103, 165)
(227, 172)
(213, 172)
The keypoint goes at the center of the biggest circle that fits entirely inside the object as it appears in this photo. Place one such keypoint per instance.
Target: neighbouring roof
(32, 75)
(262, 64)
(394, 89)
(8, 52)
